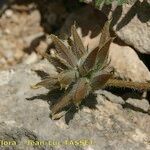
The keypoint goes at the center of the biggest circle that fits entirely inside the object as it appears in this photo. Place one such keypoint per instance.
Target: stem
(128, 84)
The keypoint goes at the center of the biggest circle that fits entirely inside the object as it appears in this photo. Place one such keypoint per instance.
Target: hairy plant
(107, 2)
(81, 71)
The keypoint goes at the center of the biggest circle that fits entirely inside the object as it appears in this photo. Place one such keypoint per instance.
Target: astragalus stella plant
(81, 71)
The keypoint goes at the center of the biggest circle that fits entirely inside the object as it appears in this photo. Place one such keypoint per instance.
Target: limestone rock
(131, 22)
(139, 104)
(111, 97)
(133, 26)
(24, 115)
(127, 63)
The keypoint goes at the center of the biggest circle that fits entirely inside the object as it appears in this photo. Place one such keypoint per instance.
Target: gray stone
(32, 58)
(139, 104)
(5, 76)
(127, 64)
(111, 97)
(131, 22)
(135, 30)
(24, 116)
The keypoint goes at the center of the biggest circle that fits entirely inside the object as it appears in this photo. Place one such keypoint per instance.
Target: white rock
(31, 58)
(5, 76)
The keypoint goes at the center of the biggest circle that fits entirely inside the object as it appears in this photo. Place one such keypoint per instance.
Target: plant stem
(128, 84)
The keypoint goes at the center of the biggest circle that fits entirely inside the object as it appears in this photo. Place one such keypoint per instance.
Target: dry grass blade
(63, 51)
(77, 42)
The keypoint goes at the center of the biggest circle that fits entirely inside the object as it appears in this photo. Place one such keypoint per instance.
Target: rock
(8, 13)
(127, 64)
(30, 38)
(25, 118)
(26, 30)
(130, 29)
(111, 97)
(8, 54)
(18, 54)
(32, 58)
(5, 76)
(130, 21)
(45, 66)
(139, 104)
(53, 13)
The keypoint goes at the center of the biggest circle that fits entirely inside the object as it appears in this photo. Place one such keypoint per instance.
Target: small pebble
(8, 13)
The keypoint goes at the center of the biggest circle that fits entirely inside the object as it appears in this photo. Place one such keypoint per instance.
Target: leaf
(100, 80)
(120, 2)
(105, 34)
(78, 42)
(103, 54)
(98, 2)
(80, 90)
(49, 83)
(65, 78)
(89, 62)
(58, 62)
(63, 51)
(108, 2)
(58, 115)
(73, 48)
(63, 102)
(145, 86)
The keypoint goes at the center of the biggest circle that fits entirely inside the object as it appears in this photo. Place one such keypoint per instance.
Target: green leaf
(120, 2)
(98, 2)
(108, 2)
